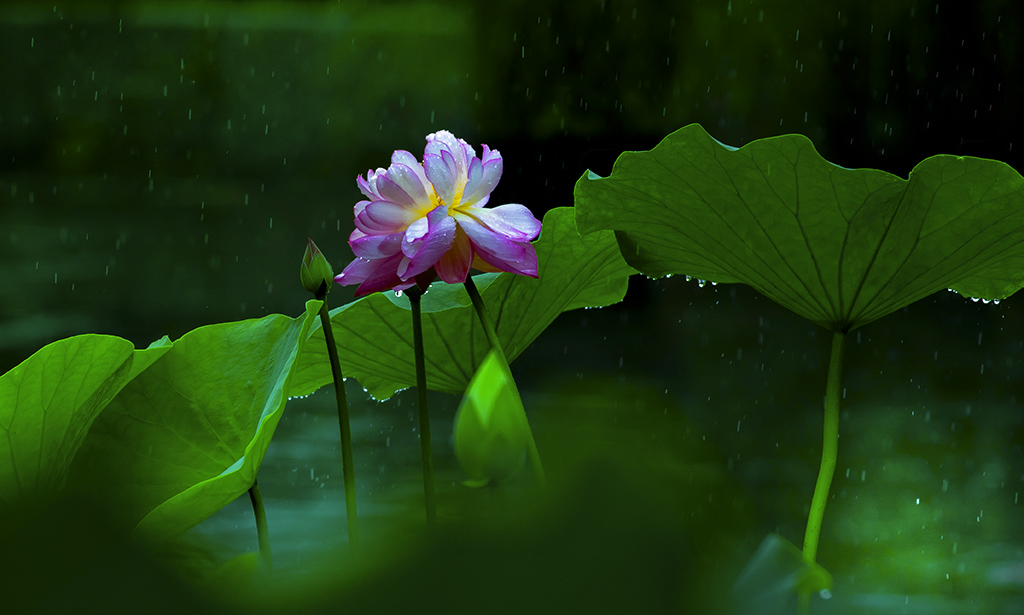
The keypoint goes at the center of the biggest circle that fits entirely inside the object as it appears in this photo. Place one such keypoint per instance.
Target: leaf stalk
(346, 429)
(492, 337)
(829, 453)
(426, 450)
(261, 524)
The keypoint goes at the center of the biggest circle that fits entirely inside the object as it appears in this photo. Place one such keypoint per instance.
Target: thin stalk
(492, 337)
(485, 320)
(261, 524)
(346, 430)
(829, 451)
(426, 450)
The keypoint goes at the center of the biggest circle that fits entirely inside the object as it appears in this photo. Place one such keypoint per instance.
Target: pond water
(162, 165)
(924, 514)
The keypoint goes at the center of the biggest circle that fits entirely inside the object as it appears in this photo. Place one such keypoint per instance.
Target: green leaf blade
(47, 404)
(374, 333)
(840, 247)
(491, 432)
(187, 436)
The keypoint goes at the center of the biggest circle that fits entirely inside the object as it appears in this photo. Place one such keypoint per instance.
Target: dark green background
(162, 163)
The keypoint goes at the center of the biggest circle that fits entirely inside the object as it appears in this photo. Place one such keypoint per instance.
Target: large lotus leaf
(187, 436)
(841, 247)
(49, 401)
(374, 333)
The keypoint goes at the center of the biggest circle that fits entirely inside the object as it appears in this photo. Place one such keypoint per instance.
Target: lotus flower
(422, 221)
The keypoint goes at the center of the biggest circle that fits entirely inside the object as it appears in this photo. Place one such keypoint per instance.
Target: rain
(160, 170)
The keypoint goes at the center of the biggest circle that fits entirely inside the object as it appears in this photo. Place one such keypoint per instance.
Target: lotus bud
(316, 273)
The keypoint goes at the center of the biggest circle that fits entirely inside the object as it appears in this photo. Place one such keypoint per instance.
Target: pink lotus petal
(473, 179)
(380, 285)
(413, 181)
(405, 158)
(371, 275)
(391, 191)
(431, 248)
(384, 217)
(368, 186)
(489, 154)
(463, 153)
(424, 229)
(425, 241)
(412, 236)
(479, 188)
(494, 245)
(458, 171)
(456, 155)
(527, 265)
(513, 220)
(375, 246)
(453, 266)
(355, 272)
(499, 250)
(441, 175)
(444, 140)
(481, 265)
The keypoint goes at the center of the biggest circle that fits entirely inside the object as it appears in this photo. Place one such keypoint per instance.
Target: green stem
(829, 451)
(426, 452)
(485, 320)
(346, 430)
(492, 337)
(261, 524)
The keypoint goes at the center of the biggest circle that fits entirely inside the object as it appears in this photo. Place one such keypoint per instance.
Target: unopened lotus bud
(316, 273)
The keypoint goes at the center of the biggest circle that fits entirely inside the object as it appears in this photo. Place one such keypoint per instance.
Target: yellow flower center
(455, 206)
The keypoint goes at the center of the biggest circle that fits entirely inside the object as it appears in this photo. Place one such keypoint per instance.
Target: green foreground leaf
(374, 333)
(49, 401)
(841, 247)
(187, 436)
(491, 430)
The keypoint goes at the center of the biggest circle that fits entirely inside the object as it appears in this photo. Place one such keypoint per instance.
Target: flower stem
(261, 524)
(485, 320)
(426, 451)
(346, 430)
(829, 452)
(492, 337)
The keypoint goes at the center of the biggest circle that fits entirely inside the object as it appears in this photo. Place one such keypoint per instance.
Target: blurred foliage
(606, 539)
